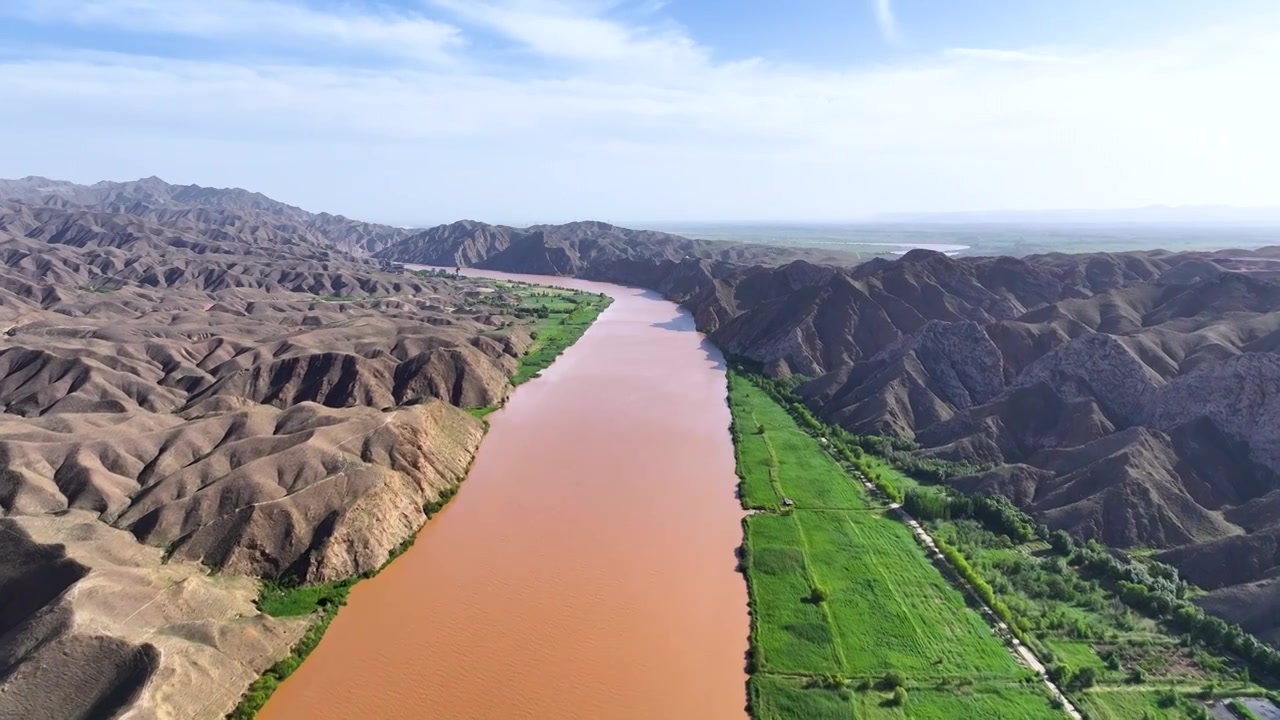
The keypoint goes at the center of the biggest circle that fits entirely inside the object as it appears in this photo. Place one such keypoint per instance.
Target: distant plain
(968, 239)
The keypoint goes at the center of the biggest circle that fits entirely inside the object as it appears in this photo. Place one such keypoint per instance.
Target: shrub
(892, 680)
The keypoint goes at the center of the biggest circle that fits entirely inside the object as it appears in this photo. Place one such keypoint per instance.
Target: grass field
(842, 595)
(1138, 704)
(778, 460)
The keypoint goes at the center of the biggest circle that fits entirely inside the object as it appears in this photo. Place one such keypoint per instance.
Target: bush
(893, 680)
(899, 697)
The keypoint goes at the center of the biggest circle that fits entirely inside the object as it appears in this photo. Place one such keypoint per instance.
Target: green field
(1138, 704)
(842, 595)
(778, 460)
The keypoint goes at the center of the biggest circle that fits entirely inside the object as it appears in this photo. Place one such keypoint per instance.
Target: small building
(788, 502)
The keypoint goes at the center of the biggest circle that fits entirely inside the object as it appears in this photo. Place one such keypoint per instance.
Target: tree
(899, 697)
(1084, 678)
(892, 680)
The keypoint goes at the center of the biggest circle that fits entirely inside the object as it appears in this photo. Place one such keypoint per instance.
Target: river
(586, 568)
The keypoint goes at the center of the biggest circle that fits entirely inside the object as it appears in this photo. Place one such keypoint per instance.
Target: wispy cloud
(270, 23)
(580, 33)
(1006, 56)
(886, 20)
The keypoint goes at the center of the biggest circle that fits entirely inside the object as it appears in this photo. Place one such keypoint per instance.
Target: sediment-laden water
(586, 569)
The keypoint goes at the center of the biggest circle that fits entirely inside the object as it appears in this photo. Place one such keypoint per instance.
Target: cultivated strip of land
(849, 616)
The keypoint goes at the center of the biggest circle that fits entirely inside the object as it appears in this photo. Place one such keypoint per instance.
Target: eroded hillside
(198, 388)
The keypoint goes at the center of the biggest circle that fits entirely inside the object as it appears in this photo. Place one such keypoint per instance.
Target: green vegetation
(284, 600)
(261, 690)
(563, 318)
(778, 461)
(785, 698)
(1104, 704)
(849, 615)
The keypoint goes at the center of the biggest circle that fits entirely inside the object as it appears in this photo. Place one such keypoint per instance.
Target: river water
(586, 568)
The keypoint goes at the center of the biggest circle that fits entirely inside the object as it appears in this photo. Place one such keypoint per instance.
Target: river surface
(585, 569)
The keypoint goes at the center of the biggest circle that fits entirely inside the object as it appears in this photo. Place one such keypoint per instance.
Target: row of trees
(988, 595)
(1152, 588)
(1155, 589)
(995, 512)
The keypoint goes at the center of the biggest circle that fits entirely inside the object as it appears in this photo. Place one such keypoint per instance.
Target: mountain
(590, 249)
(196, 380)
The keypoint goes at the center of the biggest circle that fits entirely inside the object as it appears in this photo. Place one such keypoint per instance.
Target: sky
(520, 111)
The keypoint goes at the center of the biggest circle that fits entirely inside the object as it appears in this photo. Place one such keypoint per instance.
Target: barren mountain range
(185, 405)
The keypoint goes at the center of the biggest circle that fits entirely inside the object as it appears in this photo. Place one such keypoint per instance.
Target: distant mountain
(153, 198)
(589, 248)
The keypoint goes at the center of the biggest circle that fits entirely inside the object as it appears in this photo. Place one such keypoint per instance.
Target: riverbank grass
(568, 315)
(850, 618)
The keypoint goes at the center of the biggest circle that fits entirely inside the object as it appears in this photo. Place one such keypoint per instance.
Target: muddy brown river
(585, 569)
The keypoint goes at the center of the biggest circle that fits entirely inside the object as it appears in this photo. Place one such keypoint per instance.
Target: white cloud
(268, 22)
(631, 122)
(886, 20)
(998, 55)
(574, 33)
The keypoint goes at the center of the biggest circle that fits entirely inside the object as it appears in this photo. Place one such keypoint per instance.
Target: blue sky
(416, 111)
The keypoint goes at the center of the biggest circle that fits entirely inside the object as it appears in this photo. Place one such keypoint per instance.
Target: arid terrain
(201, 387)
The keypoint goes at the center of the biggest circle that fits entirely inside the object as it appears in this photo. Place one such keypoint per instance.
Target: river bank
(563, 316)
(588, 567)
